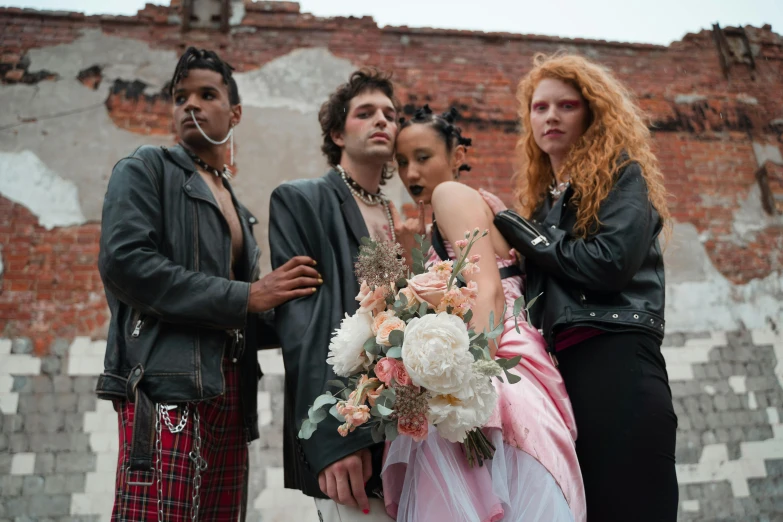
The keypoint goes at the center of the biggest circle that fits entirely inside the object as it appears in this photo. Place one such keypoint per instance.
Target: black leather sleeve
(305, 325)
(605, 261)
(133, 268)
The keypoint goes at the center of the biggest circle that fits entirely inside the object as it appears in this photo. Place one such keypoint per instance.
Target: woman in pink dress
(534, 475)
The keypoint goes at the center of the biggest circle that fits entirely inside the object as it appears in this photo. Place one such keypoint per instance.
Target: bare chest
(377, 221)
(226, 205)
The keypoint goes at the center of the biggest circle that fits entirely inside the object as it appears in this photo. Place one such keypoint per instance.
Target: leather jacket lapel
(351, 213)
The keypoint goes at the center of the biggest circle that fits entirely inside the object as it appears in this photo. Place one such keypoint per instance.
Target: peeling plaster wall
(69, 129)
(26, 180)
(699, 298)
(278, 139)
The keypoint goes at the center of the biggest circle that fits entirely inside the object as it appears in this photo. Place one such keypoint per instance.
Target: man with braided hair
(181, 270)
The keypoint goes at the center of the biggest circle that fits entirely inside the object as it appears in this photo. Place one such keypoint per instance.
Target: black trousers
(626, 427)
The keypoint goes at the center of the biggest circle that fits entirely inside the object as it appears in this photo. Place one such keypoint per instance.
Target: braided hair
(444, 126)
(205, 59)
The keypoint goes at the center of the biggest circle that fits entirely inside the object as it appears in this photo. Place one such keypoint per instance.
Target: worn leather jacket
(164, 261)
(612, 280)
(317, 218)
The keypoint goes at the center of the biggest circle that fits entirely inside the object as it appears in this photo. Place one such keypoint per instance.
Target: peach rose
(371, 301)
(386, 328)
(384, 369)
(380, 319)
(428, 287)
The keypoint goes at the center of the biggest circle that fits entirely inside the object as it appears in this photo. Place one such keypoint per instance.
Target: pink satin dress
(534, 475)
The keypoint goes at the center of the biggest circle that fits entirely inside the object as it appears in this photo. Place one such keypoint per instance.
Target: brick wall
(707, 110)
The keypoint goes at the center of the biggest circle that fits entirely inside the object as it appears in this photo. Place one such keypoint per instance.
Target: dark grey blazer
(317, 218)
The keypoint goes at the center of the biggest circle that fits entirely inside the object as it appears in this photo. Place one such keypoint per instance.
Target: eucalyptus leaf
(333, 413)
(316, 416)
(323, 400)
(337, 383)
(401, 283)
(395, 352)
(533, 301)
(383, 410)
(518, 304)
(307, 429)
(512, 378)
(396, 337)
(423, 309)
(391, 431)
(377, 433)
(468, 316)
(371, 347)
(389, 396)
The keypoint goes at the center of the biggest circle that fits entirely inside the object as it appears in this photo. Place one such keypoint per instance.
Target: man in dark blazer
(326, 218)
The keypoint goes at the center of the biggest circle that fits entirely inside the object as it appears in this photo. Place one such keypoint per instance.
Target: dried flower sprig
(380, 263)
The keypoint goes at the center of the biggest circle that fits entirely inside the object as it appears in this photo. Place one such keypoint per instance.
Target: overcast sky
(651, 21)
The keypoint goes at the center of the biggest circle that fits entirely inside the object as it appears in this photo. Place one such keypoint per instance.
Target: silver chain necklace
(367, 198)
(557, 190)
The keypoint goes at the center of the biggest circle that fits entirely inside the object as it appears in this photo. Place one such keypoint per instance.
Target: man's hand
(296, 278)
(407, 230)
(344, 480)
(494, 202)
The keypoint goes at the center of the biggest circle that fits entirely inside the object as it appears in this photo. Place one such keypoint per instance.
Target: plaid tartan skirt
(223, 492)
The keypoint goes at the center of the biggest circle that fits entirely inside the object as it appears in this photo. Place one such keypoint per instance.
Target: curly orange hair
(616, 125)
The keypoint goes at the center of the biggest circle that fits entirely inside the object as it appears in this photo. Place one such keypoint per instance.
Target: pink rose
(428, 287)
(400, 374)
(462, 243)
(409, 296)
(416, 427)
(371, 301)
(384, 369)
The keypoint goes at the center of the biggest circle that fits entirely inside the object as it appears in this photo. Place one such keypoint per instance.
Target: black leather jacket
(164, 261)
(317, 218)
(612, 280)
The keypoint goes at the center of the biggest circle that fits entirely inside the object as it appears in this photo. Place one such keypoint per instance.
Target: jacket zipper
(537, 238)
(196, 268)
(138, 321)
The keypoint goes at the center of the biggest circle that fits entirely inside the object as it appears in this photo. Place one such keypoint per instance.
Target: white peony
(436, 353)
(455, 415)
(346, 349)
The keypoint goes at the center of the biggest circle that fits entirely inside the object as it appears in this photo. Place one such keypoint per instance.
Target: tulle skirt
(431, 481)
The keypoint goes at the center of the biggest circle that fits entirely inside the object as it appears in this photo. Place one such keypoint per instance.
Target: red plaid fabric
(223, 492)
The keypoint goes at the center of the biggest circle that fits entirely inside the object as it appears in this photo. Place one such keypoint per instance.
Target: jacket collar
(351, 213)
(181, 158)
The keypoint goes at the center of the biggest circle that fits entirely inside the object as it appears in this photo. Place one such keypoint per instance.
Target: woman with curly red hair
(592, 205)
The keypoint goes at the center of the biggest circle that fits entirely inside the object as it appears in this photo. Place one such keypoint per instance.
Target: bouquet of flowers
(409, 354)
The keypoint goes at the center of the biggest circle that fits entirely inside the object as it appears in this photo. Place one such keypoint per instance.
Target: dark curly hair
(194, 58)
(334, 111)
(444, 125)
